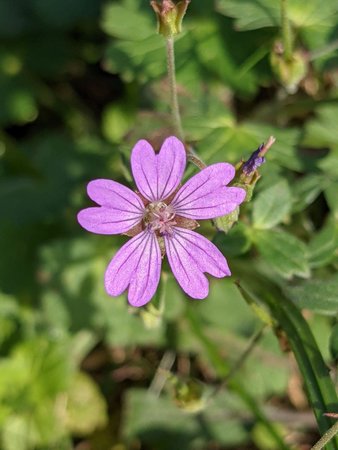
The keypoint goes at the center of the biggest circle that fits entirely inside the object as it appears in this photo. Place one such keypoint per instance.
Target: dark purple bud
(254, 161)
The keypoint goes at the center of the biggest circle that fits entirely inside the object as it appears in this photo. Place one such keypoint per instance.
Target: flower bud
(289, 72)
(247, 173)
(246, 178)
(169, 16)
(190, 395)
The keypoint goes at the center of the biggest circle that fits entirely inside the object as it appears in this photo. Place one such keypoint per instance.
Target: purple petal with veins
(120, 210)
(157, 176)
(206, 196)
(190, 255)
(136, 265)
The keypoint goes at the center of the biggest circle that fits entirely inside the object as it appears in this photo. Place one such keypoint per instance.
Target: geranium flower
(161, 217)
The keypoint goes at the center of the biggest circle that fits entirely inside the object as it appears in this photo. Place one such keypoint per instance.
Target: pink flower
(161, 217)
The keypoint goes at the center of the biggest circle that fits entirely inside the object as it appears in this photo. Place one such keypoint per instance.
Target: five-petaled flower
(161, 217)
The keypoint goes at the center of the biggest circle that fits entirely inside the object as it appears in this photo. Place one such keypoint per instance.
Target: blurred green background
(80, 82)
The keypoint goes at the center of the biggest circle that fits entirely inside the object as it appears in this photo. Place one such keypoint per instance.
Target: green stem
(326, 438)
(175, 110)
(286, 30)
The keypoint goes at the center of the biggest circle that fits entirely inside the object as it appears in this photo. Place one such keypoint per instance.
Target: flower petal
(121, 209)
(112, 194)
(157, 176)
(206, 196)
(138, 265)
(190, 255)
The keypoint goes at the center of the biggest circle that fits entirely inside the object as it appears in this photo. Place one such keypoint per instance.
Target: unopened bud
(246, 178)
(289, 71)
(169, 16)
(247, 173)
(255, 161)
(190, 395)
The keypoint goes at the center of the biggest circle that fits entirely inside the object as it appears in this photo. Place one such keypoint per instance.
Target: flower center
(160, 217)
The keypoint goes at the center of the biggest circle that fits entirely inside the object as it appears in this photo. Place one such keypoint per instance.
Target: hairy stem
(326, 438)
(286, 30)
(175, 110)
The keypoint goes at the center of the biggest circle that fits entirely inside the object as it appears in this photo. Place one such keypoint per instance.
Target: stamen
(159, 218)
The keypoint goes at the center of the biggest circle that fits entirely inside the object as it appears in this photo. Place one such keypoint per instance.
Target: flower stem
(286, 30)
(326, 438)
(175, 110)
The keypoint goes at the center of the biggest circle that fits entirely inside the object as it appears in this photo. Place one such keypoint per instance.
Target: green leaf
(306, 190)
(19, 99)
(224, 53)
(86, 407)
(329, 164)
(221, 138)
(117, 119)
(331, 197)
(128, 21)
(165, 427)
(319, 386)
(236, 242)
(15, 434)
(139, 53)
(320, 296)
(140, 60)
(334, 343)
(272, 205)
(252, 14)
(31, 378)
(283, 253)
(323, 245)
(225, 312)
(222, 369)
(321, 131)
